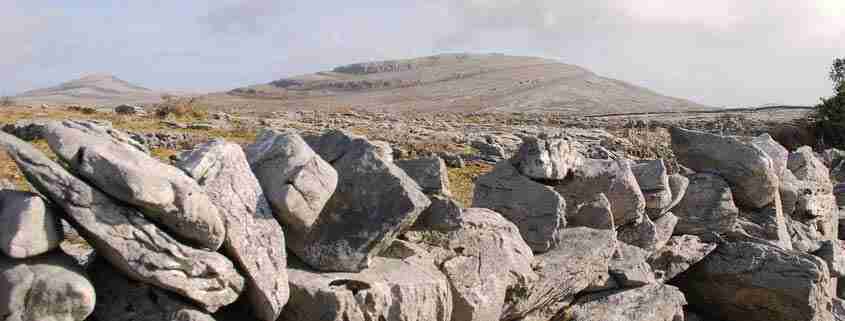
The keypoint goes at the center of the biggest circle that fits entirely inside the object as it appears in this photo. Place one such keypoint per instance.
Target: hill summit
(93, 89)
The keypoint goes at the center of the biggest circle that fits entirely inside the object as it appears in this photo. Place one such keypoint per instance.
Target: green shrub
(829, 119)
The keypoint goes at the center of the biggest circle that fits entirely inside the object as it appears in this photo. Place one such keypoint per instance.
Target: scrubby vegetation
(829, 116)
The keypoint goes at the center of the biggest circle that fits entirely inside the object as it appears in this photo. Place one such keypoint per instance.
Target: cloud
(246, 16)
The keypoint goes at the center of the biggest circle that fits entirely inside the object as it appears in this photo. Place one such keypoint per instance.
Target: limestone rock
(653, 179)
(807, 167)
(754, 281)
(537, 210)
(652, 303)
(747, 168)
(581, 258)
(838, 309)
(774, 150)
(295, 180)
(679, 254)
(122, 299)
(430, 173)
(485, 260)
(390, 289)
(594, 213)
(374, 202)
(28, 226)
(444, 213)
(629, 268)
(254, 239)
(611, 177)
(649, 235)
(546, 158)
(49, 287)
(678, 184)
(767, 225)
(124, 237)
(164, 193)
(707, 206)
(831, 252)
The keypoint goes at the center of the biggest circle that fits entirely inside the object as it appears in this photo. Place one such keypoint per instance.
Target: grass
(462, 181)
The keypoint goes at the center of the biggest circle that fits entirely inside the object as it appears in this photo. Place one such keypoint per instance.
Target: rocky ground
(374, 216)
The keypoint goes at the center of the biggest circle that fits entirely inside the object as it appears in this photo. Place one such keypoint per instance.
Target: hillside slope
(455, 82)
(97, 89)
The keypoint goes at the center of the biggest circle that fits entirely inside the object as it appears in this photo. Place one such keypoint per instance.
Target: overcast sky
(716, 52)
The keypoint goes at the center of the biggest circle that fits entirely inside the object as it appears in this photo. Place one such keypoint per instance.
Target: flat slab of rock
(28, 227)
(124, 237)
(656, 302)
(484, 258)
(707, 207)
(747, 168)
(546, 158)
(679, 254)
(122, 299)
(47, 287)
(615, 179)
(374, 202)
(429, 172)
(582, 257)
(753, 281)
(164, 193)
(629, 268)
(254, 239)
(391, 289)
(536, 209)
(766, 225)
(653, 179)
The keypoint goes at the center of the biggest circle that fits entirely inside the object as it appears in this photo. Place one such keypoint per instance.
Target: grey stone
(28, 226)
(838, 309)
(629, 268)
(653, 179)
(747, 168)
(374, 202)
(26, 129)
(581, 258)
(254, 239)
(807, 167)
(649, 235)
(754, 281)
(164, 193)
(129, 110)
(611, 177)
(122, 299)
(594, 213)
(678, 184)
(296, 181)
(489, 150)
(656, 302)
(485, 260)
(429, 172)
(679, 254)
(49, 287)
(774, 150)
(391, 289)
(444, 213)
(546, 158)
(452, 160)
(831, 252)
(124, 237)
(536, 209)
(707, 206)
(767, 225)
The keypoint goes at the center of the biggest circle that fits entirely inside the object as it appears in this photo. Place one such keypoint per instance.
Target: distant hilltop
(94, 89)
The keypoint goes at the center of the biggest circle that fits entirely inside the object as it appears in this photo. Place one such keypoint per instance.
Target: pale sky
(717, 52)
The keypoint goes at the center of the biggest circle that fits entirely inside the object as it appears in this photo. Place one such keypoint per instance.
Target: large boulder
(391, 289)
(754, 281)
(679, 254)
(807, 167)
(581, 258)
(629, 268)
(484, 258)
(122, 299)
(164, 193)
(649, 235)
(49, 287)
(708, 206)
(429, 172)
(747, 168)
(653, 179)
(536, 209)
(254, 239)
(546, 158)
(374, 202)
(124, 237)
(594, 213)
(809, 203)
(28, 226)
(615, 179)
(767, 225)
(296, 181)
(775, 150)
(831, 252)
(648, 303)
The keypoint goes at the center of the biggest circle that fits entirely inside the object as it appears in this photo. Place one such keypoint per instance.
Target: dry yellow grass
(462, 181)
